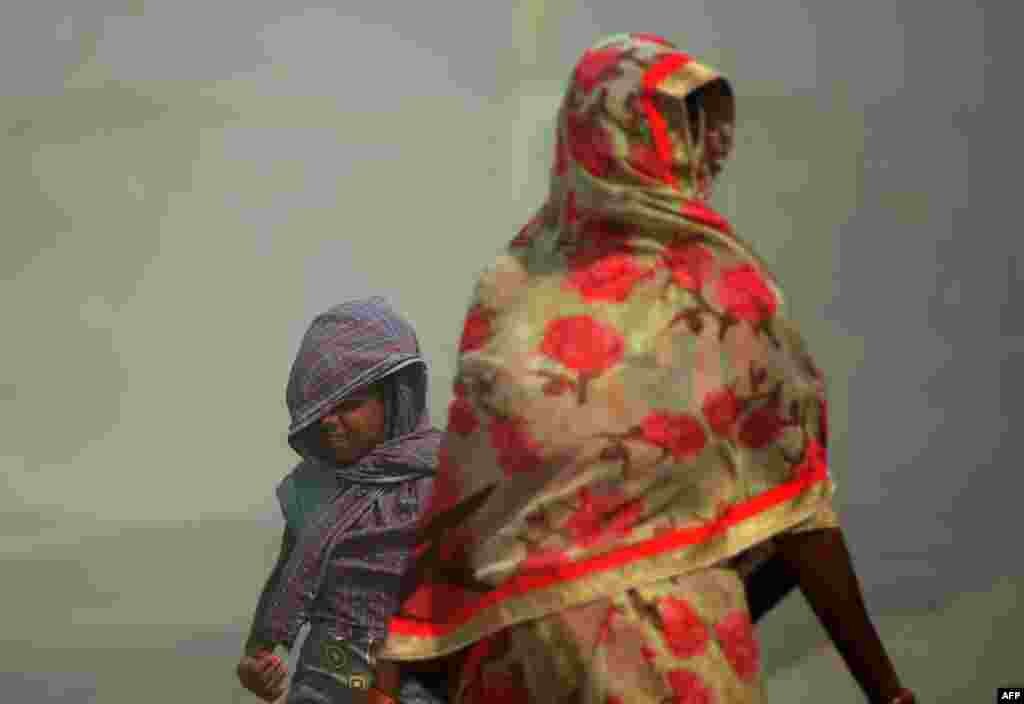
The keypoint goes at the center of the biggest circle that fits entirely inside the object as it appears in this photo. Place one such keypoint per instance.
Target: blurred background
(186, 184)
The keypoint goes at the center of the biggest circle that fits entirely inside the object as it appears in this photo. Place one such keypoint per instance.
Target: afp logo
(1010, 694)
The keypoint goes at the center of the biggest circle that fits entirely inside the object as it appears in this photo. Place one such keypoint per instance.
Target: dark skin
(819, 562)
(263, 674)
(355, 426)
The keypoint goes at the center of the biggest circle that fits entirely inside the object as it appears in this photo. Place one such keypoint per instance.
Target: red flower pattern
(605, 278)
(517, 451)
(603, 270)
(595, 66)
(583, 344)
(735, 632)
(813, 465)
(461, 417)
(685, 634)
(645, 159)
(590, 145)
(721, 409)
(690, 265)
(689, 688)
(476, 330)
(761, 427)
(679, 433)
(745, 294)
(601, 516)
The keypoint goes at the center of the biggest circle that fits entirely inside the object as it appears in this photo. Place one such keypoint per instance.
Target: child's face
(355, 426)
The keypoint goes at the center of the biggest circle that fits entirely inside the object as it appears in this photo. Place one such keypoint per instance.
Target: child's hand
(263, 674)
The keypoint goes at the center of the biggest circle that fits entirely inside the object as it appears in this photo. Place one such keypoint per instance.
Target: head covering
(631, 403)
(346, 349)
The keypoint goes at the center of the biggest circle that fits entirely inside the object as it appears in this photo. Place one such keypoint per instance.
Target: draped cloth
(632, 404)
(346, 349)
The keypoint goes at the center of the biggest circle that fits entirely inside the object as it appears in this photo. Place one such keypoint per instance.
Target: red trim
(653, 76)
(525, 583)
(659, 130)
(700, 212)
(663, 68)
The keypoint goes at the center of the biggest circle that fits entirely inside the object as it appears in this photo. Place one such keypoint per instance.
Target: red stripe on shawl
(659, 71)
(654, 75)
(699, 212)
(521, 585)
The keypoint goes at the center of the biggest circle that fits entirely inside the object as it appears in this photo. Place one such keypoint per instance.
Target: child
(357, 396)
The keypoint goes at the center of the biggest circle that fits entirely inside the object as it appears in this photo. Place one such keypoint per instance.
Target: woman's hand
(263, 674)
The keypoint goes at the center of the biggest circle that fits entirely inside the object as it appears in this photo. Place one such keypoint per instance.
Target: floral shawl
(631, 402)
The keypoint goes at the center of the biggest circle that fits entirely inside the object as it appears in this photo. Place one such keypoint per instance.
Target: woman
(635, 425)
(358, 401)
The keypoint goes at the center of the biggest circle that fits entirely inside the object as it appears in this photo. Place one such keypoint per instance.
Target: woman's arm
(259, 670)
(821, 563)
(256, 642)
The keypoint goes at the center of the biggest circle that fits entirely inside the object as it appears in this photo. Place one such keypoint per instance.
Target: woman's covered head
(643, 132)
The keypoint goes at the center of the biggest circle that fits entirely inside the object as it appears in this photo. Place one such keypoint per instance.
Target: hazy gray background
(186, 184)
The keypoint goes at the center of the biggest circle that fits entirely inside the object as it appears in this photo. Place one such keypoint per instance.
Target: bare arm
(821, 563)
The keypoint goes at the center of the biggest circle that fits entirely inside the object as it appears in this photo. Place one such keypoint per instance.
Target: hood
(624, 151)
(348, 347)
